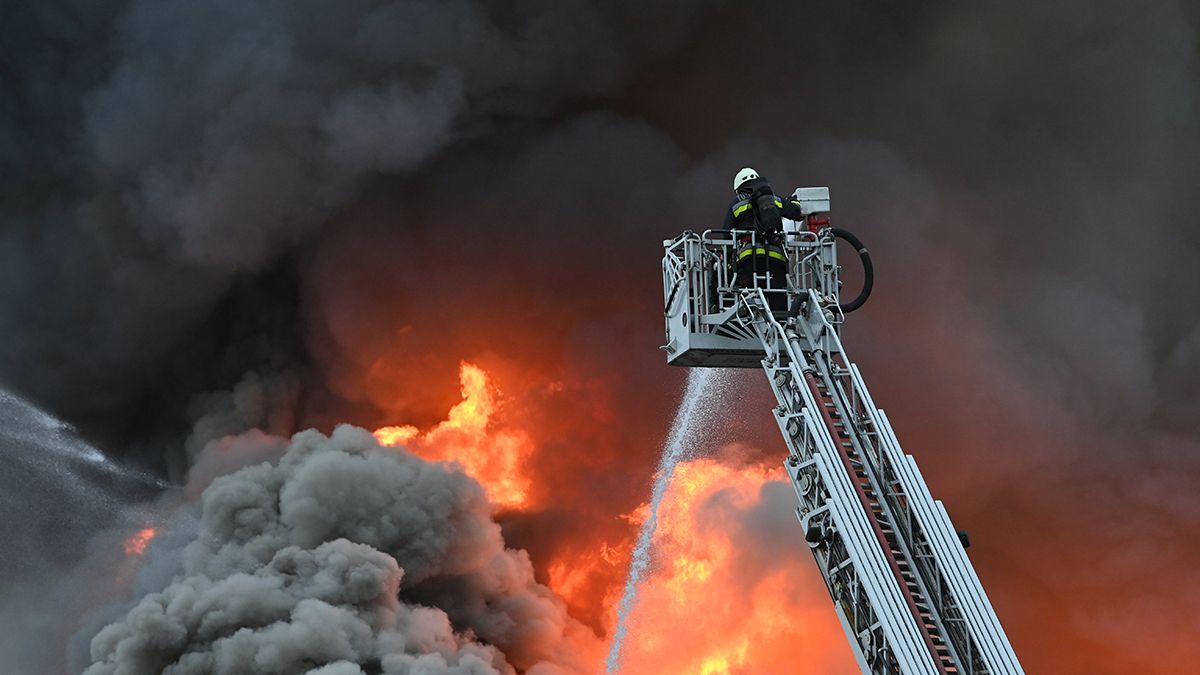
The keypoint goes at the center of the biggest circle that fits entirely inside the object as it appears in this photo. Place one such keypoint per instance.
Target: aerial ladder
(897, 570)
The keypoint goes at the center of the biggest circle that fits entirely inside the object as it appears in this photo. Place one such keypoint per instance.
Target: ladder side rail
(887, 654)
(950, 568)
(971, 600)
(944, 606)
(1007, 656)
(856, 614)
(914, 545)
(874, 582)
(956, 601)
(904, 554)
(946, 602)
(865, 630)
(900, 627)
(959, 573)
(858, 619)
(908, 642)
(930, 558)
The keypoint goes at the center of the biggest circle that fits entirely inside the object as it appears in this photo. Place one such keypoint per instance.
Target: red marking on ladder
(940, 653)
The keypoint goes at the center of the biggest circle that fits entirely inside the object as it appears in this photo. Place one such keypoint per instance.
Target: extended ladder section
(904, 589)
(896, 569)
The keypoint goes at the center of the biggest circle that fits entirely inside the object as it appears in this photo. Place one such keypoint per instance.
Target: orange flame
(393, 436)
(135, 545)
(712, 606)
(709, 605)
(494, 457)
(590, 580)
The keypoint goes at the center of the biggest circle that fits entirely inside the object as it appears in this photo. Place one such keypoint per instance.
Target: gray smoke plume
(345, 557)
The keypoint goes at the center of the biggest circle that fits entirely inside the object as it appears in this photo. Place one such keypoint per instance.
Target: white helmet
(743, 176)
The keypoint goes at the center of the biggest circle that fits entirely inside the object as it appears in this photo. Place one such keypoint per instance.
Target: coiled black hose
(868, 270)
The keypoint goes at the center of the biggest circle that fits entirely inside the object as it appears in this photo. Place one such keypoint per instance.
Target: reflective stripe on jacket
(770, 251)
(743, 205)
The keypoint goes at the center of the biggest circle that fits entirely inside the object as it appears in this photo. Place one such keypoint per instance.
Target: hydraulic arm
(896, 569)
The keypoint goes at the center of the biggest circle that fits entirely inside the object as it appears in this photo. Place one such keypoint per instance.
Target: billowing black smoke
(212, 216)
(157, 156)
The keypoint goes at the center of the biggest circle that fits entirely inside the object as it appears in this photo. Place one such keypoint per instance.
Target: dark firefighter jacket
(755, 206)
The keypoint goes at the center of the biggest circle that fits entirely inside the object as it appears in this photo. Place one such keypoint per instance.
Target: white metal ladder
(904, 589)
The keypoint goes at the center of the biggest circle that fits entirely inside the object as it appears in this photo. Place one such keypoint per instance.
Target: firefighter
(755, 207)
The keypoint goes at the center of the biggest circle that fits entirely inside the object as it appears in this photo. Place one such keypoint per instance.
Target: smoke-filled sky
(223, 223)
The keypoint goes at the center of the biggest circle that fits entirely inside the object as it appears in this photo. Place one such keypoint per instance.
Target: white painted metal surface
(901, 582)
